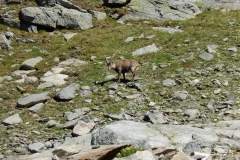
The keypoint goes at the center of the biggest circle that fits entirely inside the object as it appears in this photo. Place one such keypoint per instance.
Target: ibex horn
(113, 56)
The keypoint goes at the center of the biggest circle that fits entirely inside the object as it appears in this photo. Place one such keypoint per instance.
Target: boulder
(4, 42)
(10, 19)
(161, 10)
(68, 92)
(14, 119)
(31, 63)
(127, 132)
(32, 99)
(145, 50)
(35, 147)
(53, 18)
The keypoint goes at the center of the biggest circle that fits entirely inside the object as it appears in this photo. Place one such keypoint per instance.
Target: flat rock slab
(82, 128)
(67, 150)
(103, 152)
(14, 119)
(145, 50)
(32, 99)
(72, 62)
(68, 92)
(31, 63)
(127, 132)
(53, 18)
(168, 29)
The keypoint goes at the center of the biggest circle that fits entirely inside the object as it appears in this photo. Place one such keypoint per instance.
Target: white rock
(14, 119)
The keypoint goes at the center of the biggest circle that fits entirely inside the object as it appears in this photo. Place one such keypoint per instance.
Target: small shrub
(128, 151)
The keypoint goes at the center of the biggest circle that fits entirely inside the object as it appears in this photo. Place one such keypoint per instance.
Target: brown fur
(123, 67)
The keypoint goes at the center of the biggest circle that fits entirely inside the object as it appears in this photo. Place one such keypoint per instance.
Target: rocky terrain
(59, 101)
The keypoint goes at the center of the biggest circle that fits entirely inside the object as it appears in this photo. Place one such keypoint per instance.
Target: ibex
(123, 67)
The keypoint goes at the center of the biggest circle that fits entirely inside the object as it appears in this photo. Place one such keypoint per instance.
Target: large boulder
(161, 10)
(53, 17)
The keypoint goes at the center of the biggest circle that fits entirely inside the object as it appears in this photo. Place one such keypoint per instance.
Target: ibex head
(110, 63)
(122, 67)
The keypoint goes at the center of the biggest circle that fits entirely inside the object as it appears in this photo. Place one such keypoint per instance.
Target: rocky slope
(190, 113)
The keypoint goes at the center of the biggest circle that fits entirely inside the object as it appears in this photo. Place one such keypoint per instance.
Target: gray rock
(10, 18)
(212, 48)
(14, 119)
(115, 2)
(52, 18)
(156, 118)
(113, 86)
(19, 150)
(4, 42)
(98, 15)
(73, 115)
(68, 92)
(124, 132)
(30, 80)
(51, 123)
(135, 85)
(31, 63)
(32, 99)
(36, 147)
(145, 50)
(180, 95)
(169, 83)
(109, 77)
(82, 128)
(168, 29)
(53, 80)
(163, 10)
(36, 107)
(192, 114)
(68, 36)
(129, 39)
(72, 62)
(66, 150)
(70, 124)
(133, 96)
(206, 56)
(233, 49)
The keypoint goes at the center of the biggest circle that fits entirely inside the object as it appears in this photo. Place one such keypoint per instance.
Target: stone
(146, 50)
(98, 15)
(113, 86)
(68, 36)
(124, 132)
(54, 80)
(32, 99)
(72, 62)
(31, 63)
(192, 114)
(14, 119)
(206, 56)
(82, 128)
(51, 123)
(156, 118)
(68, 92)
(36, 107)
(169, 83)
(180, 95)
(4, 42)
(66, 150)
(53, 18)
(168, 29)
(36, 147)
(169, 9)
(30, 80)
